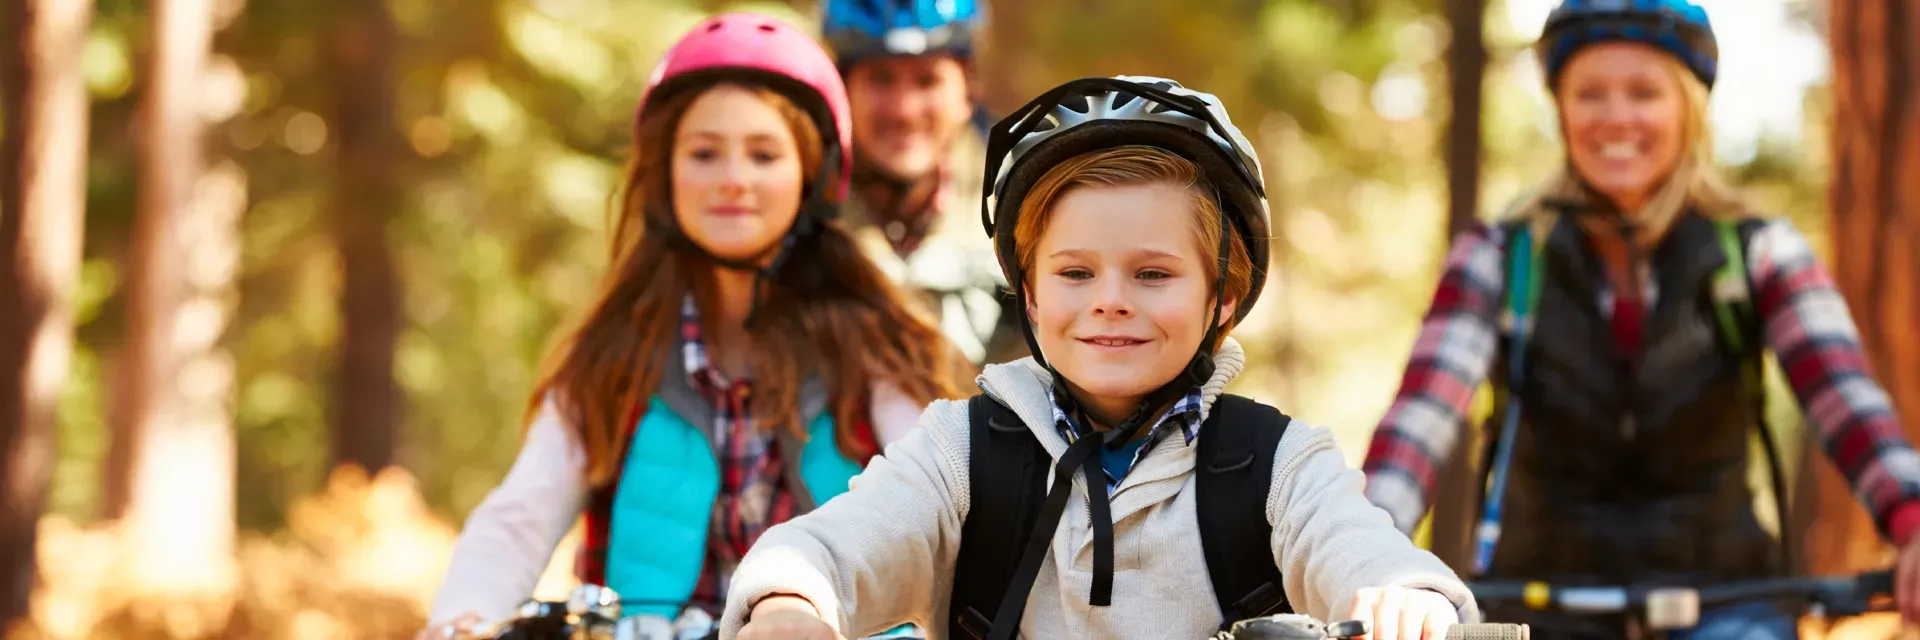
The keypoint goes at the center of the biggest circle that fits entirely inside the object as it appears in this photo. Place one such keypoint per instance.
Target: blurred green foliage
(516, 113)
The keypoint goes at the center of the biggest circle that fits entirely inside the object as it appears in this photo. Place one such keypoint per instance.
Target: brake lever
(1847, 597)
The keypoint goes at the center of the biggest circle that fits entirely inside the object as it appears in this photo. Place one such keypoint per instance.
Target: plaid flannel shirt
(753, 494)
(905, 230)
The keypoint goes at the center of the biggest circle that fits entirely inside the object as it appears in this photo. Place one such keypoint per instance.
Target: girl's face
(737, 175)
(1624, 117)
(1120, 294)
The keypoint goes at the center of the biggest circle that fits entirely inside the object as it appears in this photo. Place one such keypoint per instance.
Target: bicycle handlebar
(1489, 631)
(1679, 607)
(1289, 626)
(596, 612)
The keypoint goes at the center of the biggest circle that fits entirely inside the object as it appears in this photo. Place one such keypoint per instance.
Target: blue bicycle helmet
(1678, 26)
(858, 29)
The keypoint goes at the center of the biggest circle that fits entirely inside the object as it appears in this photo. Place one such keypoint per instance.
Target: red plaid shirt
(753, 493)
(1806, 324)
(905, 230)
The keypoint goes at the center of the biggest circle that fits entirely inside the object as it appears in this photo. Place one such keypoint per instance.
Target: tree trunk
(1466, 69)
(1876, 188)
(1456, 497)
(998, 65)
(43, 160)
(367, 195)
(175, 435)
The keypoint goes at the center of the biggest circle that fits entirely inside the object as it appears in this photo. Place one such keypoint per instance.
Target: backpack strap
(1007, 485)
(1524, 249)
(1733, 304)
(1739, 319)
(1234, 476)
(1007, 476)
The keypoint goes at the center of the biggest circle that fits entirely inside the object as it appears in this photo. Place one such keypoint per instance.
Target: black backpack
(1007, 469)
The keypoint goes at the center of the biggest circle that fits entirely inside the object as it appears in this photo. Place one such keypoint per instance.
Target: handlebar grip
(1877, 582)
(1488, 631)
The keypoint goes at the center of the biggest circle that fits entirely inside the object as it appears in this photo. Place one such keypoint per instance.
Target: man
(918, 155)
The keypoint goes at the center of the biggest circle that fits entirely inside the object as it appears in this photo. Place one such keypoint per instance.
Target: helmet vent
(1079, 103)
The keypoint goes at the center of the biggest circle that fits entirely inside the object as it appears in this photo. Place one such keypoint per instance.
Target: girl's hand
(1398, 613)
(786, 618)
(461, 627)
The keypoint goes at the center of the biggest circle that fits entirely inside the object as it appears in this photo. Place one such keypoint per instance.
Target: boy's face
(1120, 295)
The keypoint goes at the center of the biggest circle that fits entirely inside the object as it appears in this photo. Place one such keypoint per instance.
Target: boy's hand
(1397, 613)
(784, 618)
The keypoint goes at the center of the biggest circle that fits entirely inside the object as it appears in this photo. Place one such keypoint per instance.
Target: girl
(1132, 223)
(741, 360)
(1632, 402)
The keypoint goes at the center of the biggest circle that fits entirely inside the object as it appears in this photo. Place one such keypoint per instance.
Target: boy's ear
(1226, 313)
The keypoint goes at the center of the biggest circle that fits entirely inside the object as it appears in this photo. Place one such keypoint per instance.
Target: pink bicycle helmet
(766, 49)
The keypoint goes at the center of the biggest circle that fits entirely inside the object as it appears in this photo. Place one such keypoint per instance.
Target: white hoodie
(883, 553)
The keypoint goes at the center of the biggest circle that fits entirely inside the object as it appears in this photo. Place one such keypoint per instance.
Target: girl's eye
(1076, 274)
(703, 155)
(1154, 274)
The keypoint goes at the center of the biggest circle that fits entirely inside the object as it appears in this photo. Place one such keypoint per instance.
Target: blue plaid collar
(1185, 415)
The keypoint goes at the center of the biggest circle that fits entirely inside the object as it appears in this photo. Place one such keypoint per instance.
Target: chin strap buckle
(1200, 369)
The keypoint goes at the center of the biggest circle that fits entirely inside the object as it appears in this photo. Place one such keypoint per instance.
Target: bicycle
(593, 612)
(1655, 608)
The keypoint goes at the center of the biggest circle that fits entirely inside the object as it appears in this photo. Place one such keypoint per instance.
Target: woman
(741, 360)
(1636, 387)
(1134, 228)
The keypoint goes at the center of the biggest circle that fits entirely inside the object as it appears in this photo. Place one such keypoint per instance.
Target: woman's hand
(1906, 580)
(1397, 613)
(786, 618)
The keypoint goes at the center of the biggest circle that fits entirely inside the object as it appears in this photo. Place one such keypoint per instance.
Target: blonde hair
(1137, 165)
(1696, 183)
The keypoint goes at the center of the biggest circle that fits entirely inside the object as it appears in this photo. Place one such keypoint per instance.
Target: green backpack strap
(1734, 306)
(1524, 274)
